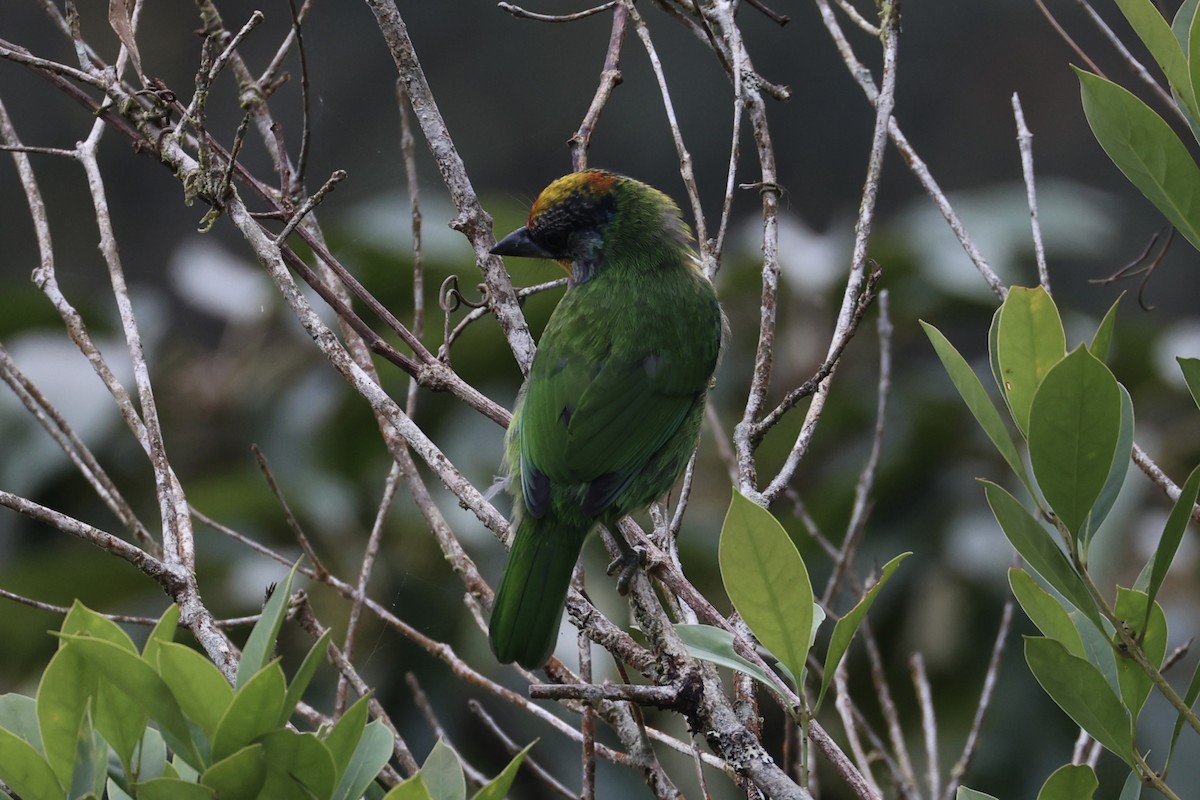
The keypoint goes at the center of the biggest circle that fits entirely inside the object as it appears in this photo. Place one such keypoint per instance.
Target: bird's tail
(529, 604)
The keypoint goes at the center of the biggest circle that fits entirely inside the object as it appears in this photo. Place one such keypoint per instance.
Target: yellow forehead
(589, 182)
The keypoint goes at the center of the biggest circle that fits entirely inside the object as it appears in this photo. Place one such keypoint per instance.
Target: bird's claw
(626, 565)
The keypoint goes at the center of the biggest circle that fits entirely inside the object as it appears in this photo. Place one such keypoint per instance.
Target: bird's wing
(598, 417)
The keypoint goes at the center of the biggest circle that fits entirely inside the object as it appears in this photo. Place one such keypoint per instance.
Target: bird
(610, 411)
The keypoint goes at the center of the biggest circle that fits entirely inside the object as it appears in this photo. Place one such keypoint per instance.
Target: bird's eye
(554, 239)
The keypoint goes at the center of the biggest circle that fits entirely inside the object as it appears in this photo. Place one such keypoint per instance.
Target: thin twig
(1025, 143)
(985, 699)
(517, 11)
(610, 78)
(920, 678)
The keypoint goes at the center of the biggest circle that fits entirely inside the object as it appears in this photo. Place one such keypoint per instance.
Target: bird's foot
(626, 565)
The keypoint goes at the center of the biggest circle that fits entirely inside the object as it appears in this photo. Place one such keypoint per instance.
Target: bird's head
(587, 219)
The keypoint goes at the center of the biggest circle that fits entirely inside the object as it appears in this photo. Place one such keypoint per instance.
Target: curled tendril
(451, 299)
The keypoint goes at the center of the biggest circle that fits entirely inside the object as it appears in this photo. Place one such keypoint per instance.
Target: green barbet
(611, 410)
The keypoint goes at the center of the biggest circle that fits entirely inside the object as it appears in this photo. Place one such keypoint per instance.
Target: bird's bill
(518, 243)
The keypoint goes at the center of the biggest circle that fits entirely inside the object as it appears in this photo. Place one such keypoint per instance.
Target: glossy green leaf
(91, 762)
(1189, 698)
(1158, 38)
(64, 694)
(129, 673)
(120, 719)
(1083, 693)
(198, 686)
(261, 643)
(304, 675)
(1070, 782)
(715, 646)
(1146, 150)
(172, 789)
(1147, 624)
(1098, 648)
(767, 581)
(1074, 427)
(1191, 374)
(847, 626)
(443, 774)
(1029, 341)
(163, 631)
(342, 739)
(369, 758)
(18, 714)
(151, 759)
(970, 388)
(239, 776)
(964, 793)
(1045, 611)
(497, 788)
(1132, 790)
(1116, 471)
(298, 765)
(82, 620)
(1173, 531)
(1102, 340)
(25, 771)
(1181, 25)
(253, 712)
(1034, 544)
(412, 789)
(115, 792)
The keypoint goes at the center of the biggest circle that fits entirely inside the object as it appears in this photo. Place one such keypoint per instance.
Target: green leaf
(25, 771)
(443, 774)
(370, 756)
(1033, 543)
(1070, 782)
(151, 760)
(140, 681)
(253, 712)
(1158, 38)
(1191, 374)
(412, 789)
(198, 686)
(497, 788)
(239, 776)
(303, 676)
(18, 714)
(82, 620)
(163, 632)
(970, 388)
(1148, 625)
(1102, 340)
(342, 739)
(298, 765)
(261, 642)
(1098, 648)
(1074, 425)
(715, 646)
(767, 581)
(1029, 341)
(120, 720)
(1116, 472)
(66, 690)
(1172, 534)
(964, 793)
(172, 789)
(1189, 698)
(1132, 790)
(1045, 611)
(1081, 691)
(847, 626)
(1146, 150)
